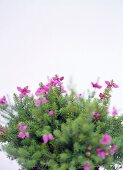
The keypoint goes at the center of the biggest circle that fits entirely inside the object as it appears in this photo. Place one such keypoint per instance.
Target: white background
(79, 39)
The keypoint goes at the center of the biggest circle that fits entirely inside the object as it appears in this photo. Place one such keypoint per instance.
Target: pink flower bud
(3, 100)
(22, 127)
(86, 166)
(51, 137)
(50, 113)
(45, 138)
(44, 100)
(38, 102)
(27, 134)
(61, 78)
(21, 135)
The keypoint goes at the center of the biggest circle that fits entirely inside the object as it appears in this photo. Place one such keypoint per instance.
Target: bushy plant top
(57, 130)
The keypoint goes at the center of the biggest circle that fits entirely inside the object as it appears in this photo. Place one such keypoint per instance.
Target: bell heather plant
(57, 130)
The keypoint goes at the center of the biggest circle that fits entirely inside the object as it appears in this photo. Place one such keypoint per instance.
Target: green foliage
(74, 128)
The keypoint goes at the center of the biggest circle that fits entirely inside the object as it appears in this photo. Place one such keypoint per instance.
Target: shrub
(54, 129)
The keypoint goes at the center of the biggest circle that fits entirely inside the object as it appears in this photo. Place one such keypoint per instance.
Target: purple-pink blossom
(96, 85)
(38, 92)
(115, 85)
(111, 84)
(43, 100)
(96, 115)
(113, 149)
(106, 139)
(47, 137)
(24, 91)
(27, 134)
(21, 135)
(22, 127)
(61, 78)
(86, 166)
(51, 137)
(114, 111)
(63, 90)
(102, 96)
(101, 153)
(56, 81)
(50, 112)
(3, 100)
(42, 90)
(38, 102)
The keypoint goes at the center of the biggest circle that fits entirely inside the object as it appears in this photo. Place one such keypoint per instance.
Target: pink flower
(61, 78)
(96, 115)
(21, 135)
(106, 139)
(59, 83)
(42, 90)
(51, 137)
(22, 127)
(27, 134)
(47, 87)
(56, 81)
(38, 92)
(63, 90)
(45, 138)
(96, 85)
(38, 102)
(113, 149)
(86, 166)
(101, 153)
(102, 96)
(110, 84)
(44, 100)
(50, 113)
(55, 78)
(115, 85)
(114, 111)
(23, 91)
(3, 100)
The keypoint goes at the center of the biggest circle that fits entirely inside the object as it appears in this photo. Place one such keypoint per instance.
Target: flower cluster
(43, 90)
(51, 122)
(54, 82)
(23, 134)
(106, 94)
(108, 83)
(106, 140)
(47, 137)
(40, 100)
(111, 84)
